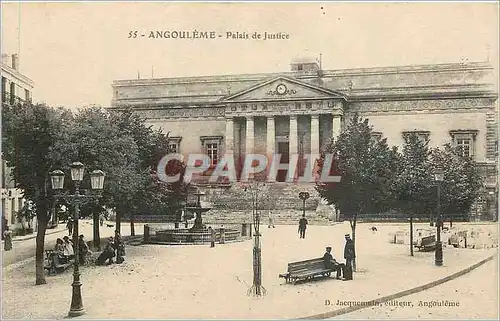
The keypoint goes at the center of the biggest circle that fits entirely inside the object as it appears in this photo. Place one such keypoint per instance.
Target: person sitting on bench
(332, 264)
(59, 251)
(59, 248)
(108, 254)
(68, 248)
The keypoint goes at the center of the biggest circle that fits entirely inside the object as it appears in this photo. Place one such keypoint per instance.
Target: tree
(414, 184)
(99, 143)
(29, 134)
(462, 181)
(367, 170)
(153, 196)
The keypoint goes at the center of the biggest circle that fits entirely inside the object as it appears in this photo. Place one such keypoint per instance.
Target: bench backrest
(428, 240)
(312, 264)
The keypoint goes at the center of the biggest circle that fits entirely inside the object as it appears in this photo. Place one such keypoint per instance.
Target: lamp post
(256, 289)
(304, 196)
(97, 184)
(438, 177)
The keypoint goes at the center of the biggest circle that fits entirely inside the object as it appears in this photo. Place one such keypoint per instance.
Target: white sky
(73, 51)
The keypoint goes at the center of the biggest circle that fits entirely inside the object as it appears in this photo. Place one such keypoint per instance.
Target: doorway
(284, 151)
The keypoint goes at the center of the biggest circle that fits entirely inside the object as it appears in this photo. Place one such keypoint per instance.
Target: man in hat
(212, 236)
(349, 256)
(69, 226)
(83, 249)
(302, 227)
(332, 264)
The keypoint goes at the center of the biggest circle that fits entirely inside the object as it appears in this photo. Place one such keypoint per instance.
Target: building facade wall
(16, 88)
(445, 101)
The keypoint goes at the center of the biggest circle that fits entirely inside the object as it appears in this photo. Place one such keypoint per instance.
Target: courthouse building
(298, 111)
(16, 88)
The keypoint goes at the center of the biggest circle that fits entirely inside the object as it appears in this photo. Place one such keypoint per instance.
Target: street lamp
(256, 289)
(304, 196)
(97, 184)
(438, 177)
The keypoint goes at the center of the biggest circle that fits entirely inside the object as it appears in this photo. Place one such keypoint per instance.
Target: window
(300, 67)
(464, 146)
(212, 146)
(297, 105)
(422, 135)
(463, 141)
(26, 94)
(4, 89)
(309, 105)
(174, 144)
(212, 152)
(12, 93)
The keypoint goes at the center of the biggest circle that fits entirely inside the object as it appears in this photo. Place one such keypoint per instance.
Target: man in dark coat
(349, 256)
(302, 227)
(332, 264)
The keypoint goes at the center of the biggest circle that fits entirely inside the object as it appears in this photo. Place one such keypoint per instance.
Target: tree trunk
(353, 229)
(118, 220)
(40, 244)
(95, 227)
(132, 227)
(411, 234)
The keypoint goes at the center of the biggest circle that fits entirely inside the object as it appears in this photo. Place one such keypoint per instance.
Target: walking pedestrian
(271, 222)
(212, 236)
(7, 236)
(222, 235)
(302, 227)
(69, 226)
(349, 256)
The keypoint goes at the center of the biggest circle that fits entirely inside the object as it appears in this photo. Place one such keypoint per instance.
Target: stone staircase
(275, 196)
(233, 205)
(280, 217)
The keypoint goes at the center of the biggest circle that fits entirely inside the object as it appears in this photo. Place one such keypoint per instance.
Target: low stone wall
(183, 235)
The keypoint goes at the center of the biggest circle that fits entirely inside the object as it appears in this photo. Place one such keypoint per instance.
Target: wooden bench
(54, 264)
(427, 244)
(305, 270)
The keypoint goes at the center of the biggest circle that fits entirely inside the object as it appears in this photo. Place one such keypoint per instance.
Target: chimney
(15, 62)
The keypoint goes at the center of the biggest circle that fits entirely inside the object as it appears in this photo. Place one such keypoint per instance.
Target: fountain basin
(184, 235)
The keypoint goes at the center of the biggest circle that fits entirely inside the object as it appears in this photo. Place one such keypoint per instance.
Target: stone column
(336, 125)
(271, 136)
(293, 135)
(314, 134)
(229, 136)
(250, 134)
(270, 143)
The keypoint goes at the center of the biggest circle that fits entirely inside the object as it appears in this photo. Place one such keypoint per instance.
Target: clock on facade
(281, 89)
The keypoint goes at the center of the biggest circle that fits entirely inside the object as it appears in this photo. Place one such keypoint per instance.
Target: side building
(16, 88)
(296, 112)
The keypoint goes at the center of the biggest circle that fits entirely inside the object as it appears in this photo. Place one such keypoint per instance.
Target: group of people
(343, 269)
(114, 248)
(65, 249)
(222, 238)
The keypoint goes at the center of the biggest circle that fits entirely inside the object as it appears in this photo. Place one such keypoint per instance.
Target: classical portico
(282, 116)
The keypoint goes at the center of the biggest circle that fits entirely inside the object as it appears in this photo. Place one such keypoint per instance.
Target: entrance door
(284, 151)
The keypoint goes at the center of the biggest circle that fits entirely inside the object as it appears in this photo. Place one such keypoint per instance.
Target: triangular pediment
(282, 88)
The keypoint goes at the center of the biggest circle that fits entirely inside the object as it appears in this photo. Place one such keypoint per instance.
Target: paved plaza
(199, 282)
(477, 298)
